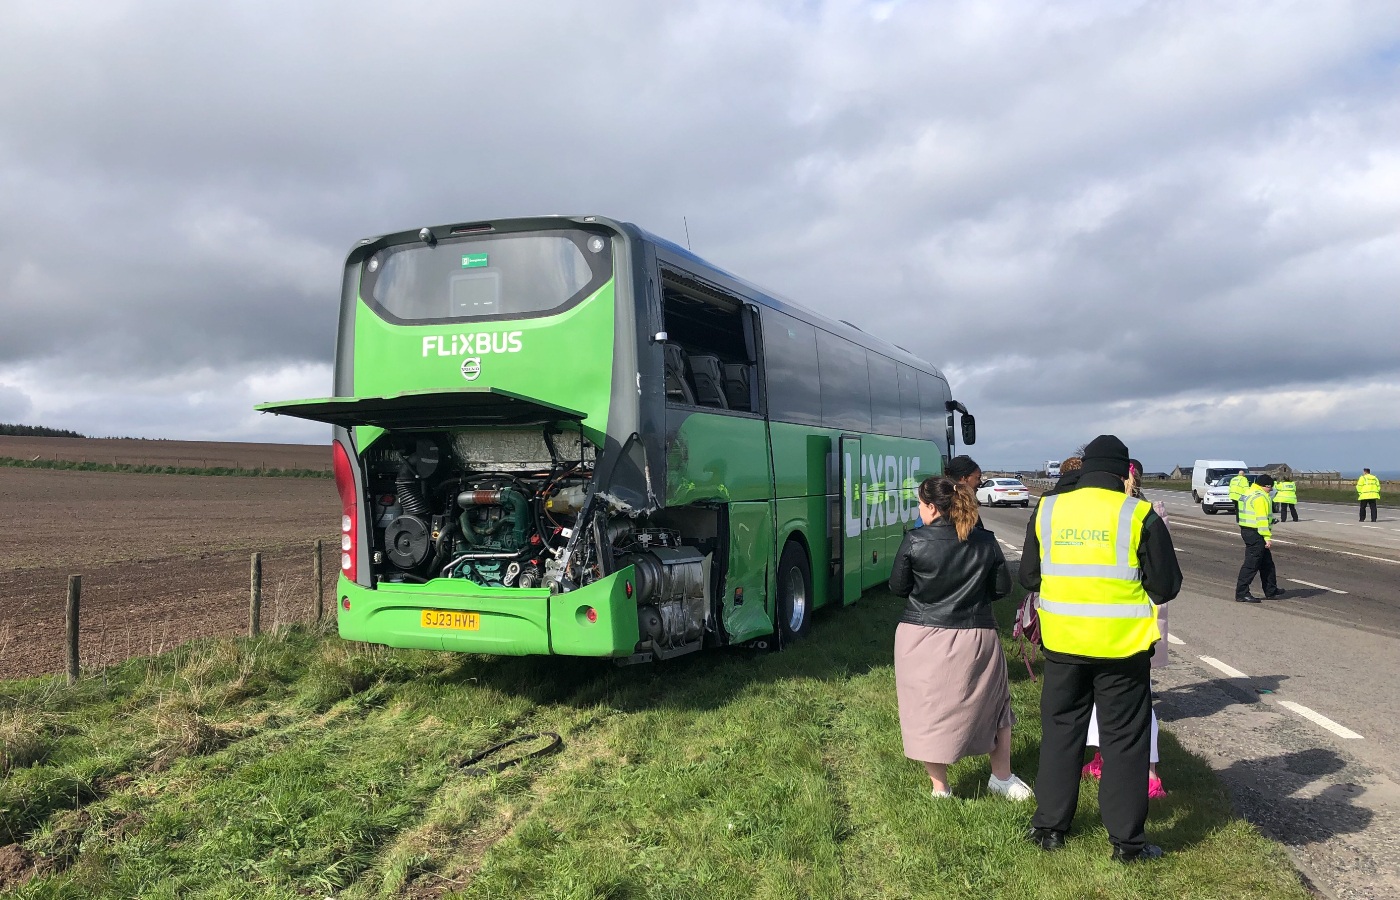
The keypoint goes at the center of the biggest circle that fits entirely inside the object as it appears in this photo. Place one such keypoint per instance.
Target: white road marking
(1320, 719)
(1173, 639)
(1383, 559)
(1377, 527)
(1217, 664)
(1322, 587)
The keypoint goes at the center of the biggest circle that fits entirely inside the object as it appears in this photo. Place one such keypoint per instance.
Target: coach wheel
(794, 594)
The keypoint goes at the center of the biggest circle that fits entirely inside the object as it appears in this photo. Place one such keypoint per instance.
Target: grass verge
(298, 765)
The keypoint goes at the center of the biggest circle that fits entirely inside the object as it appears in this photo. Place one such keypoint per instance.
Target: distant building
(1279, 470)
(1182, 473)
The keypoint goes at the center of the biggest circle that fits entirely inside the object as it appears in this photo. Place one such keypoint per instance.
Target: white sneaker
(1012, 788)
(941, 795)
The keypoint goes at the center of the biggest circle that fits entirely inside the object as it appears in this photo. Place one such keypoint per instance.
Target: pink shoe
(1093, 768)
(1155, 791)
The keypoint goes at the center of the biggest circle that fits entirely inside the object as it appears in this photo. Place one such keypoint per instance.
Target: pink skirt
(953, 692)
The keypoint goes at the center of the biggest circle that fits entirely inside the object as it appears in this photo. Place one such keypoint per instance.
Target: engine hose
(444, 547)
(408, 492)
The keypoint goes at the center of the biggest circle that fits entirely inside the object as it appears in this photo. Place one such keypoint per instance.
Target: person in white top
(1160, 657)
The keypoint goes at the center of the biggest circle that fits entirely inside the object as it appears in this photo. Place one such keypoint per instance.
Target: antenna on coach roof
(687, 233)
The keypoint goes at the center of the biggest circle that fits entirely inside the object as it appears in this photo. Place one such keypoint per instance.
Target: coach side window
(884, 395)
(909, 415)
(845, 382)
(933, 417)
(709, 354)
(790, 367)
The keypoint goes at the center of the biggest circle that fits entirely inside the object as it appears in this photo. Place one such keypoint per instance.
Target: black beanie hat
(1106, 453)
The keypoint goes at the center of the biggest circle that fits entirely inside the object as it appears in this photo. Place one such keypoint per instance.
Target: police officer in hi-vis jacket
(1255, 515)
(1368, 491)
(1101, 560)
(1286, 500)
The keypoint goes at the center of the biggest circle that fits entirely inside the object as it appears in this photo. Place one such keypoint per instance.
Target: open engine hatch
(454, 408)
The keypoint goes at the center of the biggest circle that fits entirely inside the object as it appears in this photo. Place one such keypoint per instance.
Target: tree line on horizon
(37, 431)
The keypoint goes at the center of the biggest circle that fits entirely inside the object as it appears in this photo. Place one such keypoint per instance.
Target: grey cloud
(1122, 189)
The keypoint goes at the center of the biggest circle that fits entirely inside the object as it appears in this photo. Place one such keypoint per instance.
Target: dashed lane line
(1173, 639)
(1300, 709)
(1320, 719)
(1220, 666)
(1321, 587)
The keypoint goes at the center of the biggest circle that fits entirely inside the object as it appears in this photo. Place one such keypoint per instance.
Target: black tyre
(794, 594)
(1211, 512)
(1025, 504)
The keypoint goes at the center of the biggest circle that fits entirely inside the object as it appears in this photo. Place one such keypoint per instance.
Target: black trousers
(1283, 509)
(1364, 504)
(1258, 560)
(1120, 689)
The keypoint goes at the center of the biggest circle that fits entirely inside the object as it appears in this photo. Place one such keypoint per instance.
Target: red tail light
(349, 510)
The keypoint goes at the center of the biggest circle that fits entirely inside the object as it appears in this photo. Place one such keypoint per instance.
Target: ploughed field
(180, 454)
(164, 558)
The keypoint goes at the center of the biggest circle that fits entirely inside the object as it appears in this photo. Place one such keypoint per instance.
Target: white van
(1208, 470)
(1052, 468)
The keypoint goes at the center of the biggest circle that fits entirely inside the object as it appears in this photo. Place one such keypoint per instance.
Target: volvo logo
(471, 368)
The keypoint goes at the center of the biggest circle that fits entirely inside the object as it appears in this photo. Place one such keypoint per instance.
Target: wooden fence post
(75, 593)
(320, 583)
(255, 597)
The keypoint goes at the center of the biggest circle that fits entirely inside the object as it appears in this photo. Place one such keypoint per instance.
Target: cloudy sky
(1175, 221)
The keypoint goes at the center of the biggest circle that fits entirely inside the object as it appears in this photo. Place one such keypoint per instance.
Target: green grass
(76, 465)
(297, 765)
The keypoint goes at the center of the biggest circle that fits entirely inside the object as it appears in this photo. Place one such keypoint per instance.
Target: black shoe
(1246, 598)
(1046, 838)
(1148, 851)
(1276, 592)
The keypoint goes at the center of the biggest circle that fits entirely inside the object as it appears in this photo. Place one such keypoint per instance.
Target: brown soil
(18, 865)
(164, 558)
(181, 454)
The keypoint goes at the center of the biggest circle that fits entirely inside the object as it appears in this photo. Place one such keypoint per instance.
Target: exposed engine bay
(518, 508)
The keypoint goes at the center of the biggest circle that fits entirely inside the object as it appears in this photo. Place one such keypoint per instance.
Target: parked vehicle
(1207, 471)
(1002, 492)
(1217, 495)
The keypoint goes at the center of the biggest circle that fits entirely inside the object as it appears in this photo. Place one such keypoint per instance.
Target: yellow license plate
(446, 618)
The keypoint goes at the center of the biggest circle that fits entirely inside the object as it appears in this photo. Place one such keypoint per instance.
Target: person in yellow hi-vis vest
(1368, 491)
(1255, 515)
(1100, 560)
(1286, 500)
(1238, 485)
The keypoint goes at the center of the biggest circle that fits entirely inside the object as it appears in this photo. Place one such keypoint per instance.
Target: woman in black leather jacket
(950, 672)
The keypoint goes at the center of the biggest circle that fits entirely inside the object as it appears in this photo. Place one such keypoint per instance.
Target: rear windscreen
(486, 277)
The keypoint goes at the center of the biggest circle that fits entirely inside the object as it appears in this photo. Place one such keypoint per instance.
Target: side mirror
(969, 429)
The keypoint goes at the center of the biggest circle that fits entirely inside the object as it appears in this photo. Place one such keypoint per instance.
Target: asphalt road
(1294, 701)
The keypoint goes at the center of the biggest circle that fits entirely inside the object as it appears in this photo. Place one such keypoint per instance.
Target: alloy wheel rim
(797, 591)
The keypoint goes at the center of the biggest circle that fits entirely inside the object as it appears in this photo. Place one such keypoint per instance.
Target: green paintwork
(564, 360)
(853, 566)
(805, 517)
(886, 507)
(615, 631)
(750, 564)
(719, 458)
(514, 621)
